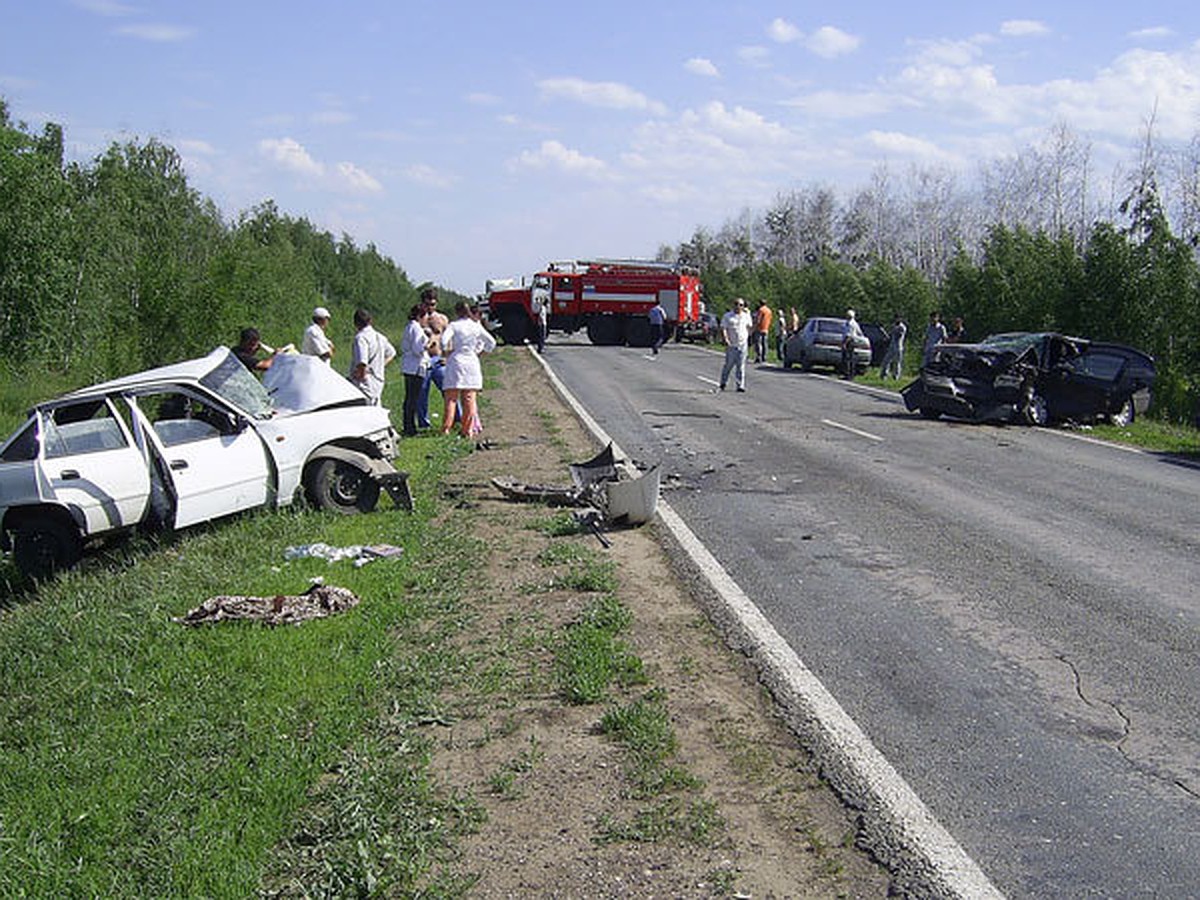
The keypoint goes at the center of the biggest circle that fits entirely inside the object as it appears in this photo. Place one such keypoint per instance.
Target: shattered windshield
(1016, 342)
(235, 383)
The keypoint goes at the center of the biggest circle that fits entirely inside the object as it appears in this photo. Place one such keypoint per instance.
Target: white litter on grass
(361, 554)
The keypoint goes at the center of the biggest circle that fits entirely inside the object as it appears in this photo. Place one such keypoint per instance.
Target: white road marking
(711, 381)
(866, 434)
(1091, 440)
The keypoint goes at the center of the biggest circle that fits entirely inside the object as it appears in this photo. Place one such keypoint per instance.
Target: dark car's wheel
(1124, 415)
(928, 413)
(337, 486)
(43, 545)
(1036, 412)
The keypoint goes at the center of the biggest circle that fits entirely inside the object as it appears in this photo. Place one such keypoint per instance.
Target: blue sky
(477, 139)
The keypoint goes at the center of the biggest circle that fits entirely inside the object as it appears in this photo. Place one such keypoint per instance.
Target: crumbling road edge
(924, 858)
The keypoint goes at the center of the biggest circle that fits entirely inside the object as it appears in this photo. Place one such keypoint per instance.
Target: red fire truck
(608, 297)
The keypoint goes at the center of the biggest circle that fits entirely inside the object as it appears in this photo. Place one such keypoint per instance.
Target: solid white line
(866, 434)
(1091, 440)
(708, 380)
(899, 829)
(879, 392)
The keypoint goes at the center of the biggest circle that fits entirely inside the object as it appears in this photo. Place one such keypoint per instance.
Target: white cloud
(105, 7)
(1024, 28)
(754, 55)
(482, 98)
(554, 155)
(738, 124)
(670, 194)
(195, 147)
(163, 34)
(949, 53)
(848, 104)
(829, 42)
(331, 117)
(606, 94)
(783, 32)
(917, 149)
(699, 66)
(354, 178)
(428, 176)
(288, 154)
(1153, 33)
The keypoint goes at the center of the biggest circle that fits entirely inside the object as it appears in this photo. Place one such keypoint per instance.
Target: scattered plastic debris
(360, 553)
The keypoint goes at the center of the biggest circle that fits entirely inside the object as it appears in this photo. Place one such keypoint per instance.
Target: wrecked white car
(187, 443)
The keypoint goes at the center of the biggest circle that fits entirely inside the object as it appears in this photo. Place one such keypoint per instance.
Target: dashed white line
(866, 434)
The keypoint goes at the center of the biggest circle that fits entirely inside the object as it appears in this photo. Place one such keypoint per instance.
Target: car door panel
(92, 469)
(215, 466)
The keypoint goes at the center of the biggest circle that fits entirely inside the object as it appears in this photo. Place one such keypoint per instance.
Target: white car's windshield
(235, 383)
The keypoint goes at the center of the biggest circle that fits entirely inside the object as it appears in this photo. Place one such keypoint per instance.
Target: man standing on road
(893, 358)
(762, 329)
(658, 318)
(935, 334)
(372, 351)
(541, 320)
(851, 335)
(735, 332)
(315, 341)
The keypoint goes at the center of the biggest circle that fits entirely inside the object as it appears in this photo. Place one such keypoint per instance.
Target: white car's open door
(216, 464)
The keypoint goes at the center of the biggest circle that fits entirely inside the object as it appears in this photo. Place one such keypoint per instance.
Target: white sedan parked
(188, 443)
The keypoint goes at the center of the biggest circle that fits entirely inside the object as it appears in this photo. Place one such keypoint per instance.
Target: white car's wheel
(336, 486)
(43, 545)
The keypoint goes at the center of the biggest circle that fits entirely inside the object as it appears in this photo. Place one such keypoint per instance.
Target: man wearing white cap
(316, 342)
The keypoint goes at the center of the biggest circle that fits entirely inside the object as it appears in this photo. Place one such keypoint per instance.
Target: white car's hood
(299, 383)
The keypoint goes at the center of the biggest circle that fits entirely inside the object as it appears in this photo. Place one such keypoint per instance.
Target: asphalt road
(1012, 615)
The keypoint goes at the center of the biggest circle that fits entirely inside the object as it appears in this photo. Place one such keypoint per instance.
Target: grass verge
(142, 758)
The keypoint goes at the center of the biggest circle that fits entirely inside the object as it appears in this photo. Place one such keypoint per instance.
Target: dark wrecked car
(188, 443)
(1033, 379)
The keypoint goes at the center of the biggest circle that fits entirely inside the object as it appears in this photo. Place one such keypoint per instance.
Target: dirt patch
(559, 800)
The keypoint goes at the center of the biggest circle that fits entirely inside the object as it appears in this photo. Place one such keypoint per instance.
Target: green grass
(139, 757)
(590, 657)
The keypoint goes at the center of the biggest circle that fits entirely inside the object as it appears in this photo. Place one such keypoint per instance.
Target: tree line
(118, 264)
(1026, 248)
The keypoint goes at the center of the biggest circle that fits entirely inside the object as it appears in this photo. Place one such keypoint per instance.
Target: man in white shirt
(371, 352)
(735, 332)
(316, 342)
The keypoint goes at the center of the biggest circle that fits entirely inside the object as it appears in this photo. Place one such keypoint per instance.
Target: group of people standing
(438, 351)
(434, 351)
(738, 327)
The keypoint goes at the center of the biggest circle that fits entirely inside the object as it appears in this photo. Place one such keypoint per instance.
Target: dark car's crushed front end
(977, 382)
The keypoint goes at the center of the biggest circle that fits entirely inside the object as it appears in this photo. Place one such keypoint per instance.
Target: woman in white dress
(462, 342)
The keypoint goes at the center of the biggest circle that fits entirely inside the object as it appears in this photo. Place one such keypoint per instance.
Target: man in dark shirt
(247, 351)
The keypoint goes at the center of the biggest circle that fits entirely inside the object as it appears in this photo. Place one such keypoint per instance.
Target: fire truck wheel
(637, 332)
(603, 331)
